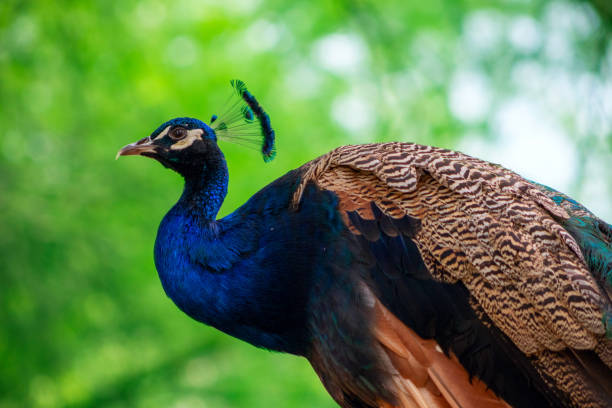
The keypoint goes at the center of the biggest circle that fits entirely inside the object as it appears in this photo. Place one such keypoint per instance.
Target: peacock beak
(144, 145)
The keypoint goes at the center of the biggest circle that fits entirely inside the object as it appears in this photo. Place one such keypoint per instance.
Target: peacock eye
(178, 133)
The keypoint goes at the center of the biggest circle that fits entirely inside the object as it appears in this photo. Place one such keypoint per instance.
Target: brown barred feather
(489, 228)
(564, 372)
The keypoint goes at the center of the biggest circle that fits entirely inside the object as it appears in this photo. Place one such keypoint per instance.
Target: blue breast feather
(249, 274)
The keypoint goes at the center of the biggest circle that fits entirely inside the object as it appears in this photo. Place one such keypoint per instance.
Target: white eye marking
(192, 136)
(163, 133)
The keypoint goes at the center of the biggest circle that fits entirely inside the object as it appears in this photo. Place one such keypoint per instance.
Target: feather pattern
(501, 236)
(408, 275)
(594, 236)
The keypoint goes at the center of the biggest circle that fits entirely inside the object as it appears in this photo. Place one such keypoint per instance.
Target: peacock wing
(502, 237)
(594, 236)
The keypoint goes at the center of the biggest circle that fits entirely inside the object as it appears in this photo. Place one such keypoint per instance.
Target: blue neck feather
(232, 273)
(206, 189)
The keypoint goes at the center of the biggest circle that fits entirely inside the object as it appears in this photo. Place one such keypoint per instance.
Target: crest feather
(245, 122)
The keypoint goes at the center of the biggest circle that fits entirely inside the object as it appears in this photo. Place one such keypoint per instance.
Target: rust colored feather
(494, 231)
(424, 374)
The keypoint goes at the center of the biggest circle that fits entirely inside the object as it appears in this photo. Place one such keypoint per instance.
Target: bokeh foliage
(83, 318)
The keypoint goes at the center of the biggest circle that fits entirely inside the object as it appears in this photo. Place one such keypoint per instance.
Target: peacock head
(183, 143)
(178, 144)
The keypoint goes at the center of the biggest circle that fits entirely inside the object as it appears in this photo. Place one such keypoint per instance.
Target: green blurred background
(83, 318)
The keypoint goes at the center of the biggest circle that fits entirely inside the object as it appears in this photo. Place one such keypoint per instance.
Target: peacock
(407, 275)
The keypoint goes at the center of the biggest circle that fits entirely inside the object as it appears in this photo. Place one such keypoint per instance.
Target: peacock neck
(205, 187)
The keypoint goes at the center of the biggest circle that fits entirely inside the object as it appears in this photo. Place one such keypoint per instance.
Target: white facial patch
(192, 136)
(163, 133)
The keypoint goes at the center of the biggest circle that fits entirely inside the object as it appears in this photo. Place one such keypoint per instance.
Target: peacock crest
(244, 121)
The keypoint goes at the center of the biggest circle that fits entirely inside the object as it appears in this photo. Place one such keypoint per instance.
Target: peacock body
(408, 275)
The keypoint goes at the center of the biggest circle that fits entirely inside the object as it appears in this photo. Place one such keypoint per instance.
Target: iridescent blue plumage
(346, 280)
(188, 123)
(232, 273)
